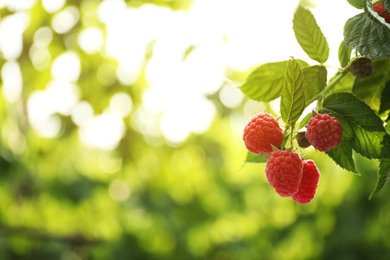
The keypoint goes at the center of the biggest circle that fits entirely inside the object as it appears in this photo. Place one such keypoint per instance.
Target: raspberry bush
(352, 109)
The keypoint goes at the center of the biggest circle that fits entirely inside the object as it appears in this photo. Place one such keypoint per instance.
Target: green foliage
(309, 35)
(356, 102)
(149, 199)
(315, 81)
(367, 131)
(359, 4)
(265, 83)
(385, 101)
(371, 89)
(255, 158)
(368, 33)
(292, 101)
(383, 176)
(386, 4)
(344, 54)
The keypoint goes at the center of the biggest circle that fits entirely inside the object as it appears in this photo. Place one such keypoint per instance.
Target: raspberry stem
(320, 96)
(285, 138)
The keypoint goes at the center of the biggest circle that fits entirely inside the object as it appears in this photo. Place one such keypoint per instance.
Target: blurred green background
(121, 129)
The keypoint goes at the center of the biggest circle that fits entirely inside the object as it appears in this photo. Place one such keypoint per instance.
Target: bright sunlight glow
(190, 54)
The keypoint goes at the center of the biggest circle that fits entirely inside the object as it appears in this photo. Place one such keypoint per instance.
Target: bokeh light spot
(43, 37)
(52, 6)
(91, 39)
(103, 131)
(12, 81)
(106, 74)
(64, 21)
(121, 104)
(119, 190)
(11, 31)
(82, 113)
(230, 96)
(66, 67)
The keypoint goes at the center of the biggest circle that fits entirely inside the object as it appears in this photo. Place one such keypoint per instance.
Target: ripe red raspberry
(380, 9)
(309, 182)
(284, 172)
(324, 132)
(262, 131)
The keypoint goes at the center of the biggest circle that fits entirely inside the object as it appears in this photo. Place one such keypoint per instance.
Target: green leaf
(368, 33)
(385, 100)
(386, 4)
(359, 4)
(255, 158)
(342, 155)
(367, 134)
(292, 102)
(315, 80)
(370, 89)
(368, 143)
(383, 177)
(309, 35)
(344, 54)
(265, 83)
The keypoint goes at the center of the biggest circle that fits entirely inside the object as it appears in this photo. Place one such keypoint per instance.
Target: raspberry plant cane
(352, 105)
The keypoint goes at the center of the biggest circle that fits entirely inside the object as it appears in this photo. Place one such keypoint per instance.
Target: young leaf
(309, 35)
(255, 158)
(344, 54)
(383, 177)
(368, 130)
(315, 80)
(368, 33)
(292, 102)
(265, 83)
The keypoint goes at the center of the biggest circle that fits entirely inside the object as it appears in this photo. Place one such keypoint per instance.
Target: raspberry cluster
(286, 171)
(291, 176)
